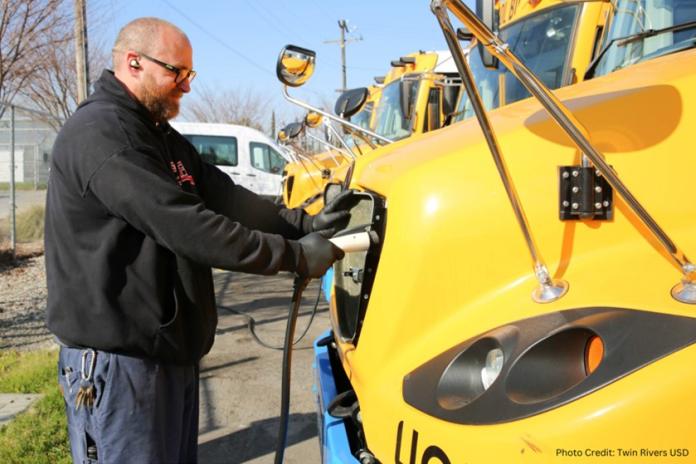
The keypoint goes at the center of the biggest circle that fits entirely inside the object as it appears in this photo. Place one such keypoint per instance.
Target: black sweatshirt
(134, 222)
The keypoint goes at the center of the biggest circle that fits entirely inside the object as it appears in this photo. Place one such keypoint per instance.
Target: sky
(236, 42)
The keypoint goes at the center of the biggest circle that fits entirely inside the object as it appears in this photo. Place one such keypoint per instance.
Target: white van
(248, 156)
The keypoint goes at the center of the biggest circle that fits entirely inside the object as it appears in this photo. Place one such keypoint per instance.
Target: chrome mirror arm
(332, 129)
(329, 145)
(549, 289)
(685, 291)
(290, 151)
(364, 138)
(304, 158)
(333, 118)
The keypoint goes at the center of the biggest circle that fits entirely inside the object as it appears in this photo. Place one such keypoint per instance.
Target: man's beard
(160, 103)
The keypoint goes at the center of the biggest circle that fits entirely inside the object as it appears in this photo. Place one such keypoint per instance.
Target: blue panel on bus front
(327, 283)
(333, 438)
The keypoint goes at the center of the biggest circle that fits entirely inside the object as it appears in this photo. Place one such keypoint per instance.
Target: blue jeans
(144, 412)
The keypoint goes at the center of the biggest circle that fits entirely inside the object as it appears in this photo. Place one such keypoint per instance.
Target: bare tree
(231, 106)
(52, 89)
(26, 37)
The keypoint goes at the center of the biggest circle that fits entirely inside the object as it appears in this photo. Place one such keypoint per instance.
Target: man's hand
(318, 253)
(329, 220)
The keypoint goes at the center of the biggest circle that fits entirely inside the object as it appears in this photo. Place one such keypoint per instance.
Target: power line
(265, 13)
(218, 40)
(361, 68)
(320, 7)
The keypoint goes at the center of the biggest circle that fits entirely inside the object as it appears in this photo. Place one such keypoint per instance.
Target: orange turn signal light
(594, 353)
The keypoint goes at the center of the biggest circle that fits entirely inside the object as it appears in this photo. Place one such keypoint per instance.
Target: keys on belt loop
(86, 393)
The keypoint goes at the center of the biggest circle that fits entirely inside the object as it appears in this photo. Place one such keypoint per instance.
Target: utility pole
(81, 50)
(13, 199)
(342, 42)
(274, 134)
(344, 28)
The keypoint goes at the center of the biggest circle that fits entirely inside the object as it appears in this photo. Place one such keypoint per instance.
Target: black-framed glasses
(181, 74)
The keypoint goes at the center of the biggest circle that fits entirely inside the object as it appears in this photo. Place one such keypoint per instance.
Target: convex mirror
(313, 119)
(350, 102)
(290, 131)
(295, 65)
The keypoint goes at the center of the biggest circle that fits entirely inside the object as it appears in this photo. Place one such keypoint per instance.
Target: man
(135, 220)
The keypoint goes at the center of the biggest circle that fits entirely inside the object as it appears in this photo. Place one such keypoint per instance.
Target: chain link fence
(26, 141)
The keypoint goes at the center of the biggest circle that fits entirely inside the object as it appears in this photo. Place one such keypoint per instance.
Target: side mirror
(295, 65)
(432, 119)
(350, 102)
(450, 94)
(313, 119)
(485, 10)
(405, 88)
(291, 131)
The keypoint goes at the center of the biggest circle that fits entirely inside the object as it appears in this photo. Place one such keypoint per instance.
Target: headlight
(470, 374)
(491, 370)
(533, 365)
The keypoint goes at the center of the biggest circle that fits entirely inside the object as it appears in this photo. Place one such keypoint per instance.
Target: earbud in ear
(134, 63)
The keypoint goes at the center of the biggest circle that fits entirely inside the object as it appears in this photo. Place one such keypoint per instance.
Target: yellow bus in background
(418, 95)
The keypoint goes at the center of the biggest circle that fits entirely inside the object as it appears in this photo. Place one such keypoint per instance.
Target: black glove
(318, 253)
(329, 220)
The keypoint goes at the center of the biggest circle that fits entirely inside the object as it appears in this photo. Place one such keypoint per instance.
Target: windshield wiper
(623, 41)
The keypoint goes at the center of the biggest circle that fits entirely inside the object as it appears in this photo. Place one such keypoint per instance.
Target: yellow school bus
(417, 96)
(527, 296)
(557, 38)
(305, 178)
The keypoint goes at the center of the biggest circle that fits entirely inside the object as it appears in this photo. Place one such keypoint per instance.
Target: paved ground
(23, 198)
(240, 380)
(12, 404)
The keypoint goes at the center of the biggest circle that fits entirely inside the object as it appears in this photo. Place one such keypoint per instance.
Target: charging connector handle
(351, 243)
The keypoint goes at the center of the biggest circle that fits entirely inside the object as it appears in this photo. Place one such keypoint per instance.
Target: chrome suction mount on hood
(549, 289)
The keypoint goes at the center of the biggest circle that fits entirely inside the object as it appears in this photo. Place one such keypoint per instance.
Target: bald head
(142, 34)
(153, 60)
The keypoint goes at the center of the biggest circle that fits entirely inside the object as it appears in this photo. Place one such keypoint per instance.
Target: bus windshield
(364, 116)
(646, 29)
(542, 41)
(389, 119)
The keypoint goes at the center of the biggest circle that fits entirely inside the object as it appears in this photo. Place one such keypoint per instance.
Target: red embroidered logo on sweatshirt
(182, 174)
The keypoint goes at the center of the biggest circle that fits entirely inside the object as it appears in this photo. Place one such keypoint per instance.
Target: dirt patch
(24, 252)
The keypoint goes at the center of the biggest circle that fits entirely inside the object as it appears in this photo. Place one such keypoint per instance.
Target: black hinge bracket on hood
(584, 194)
